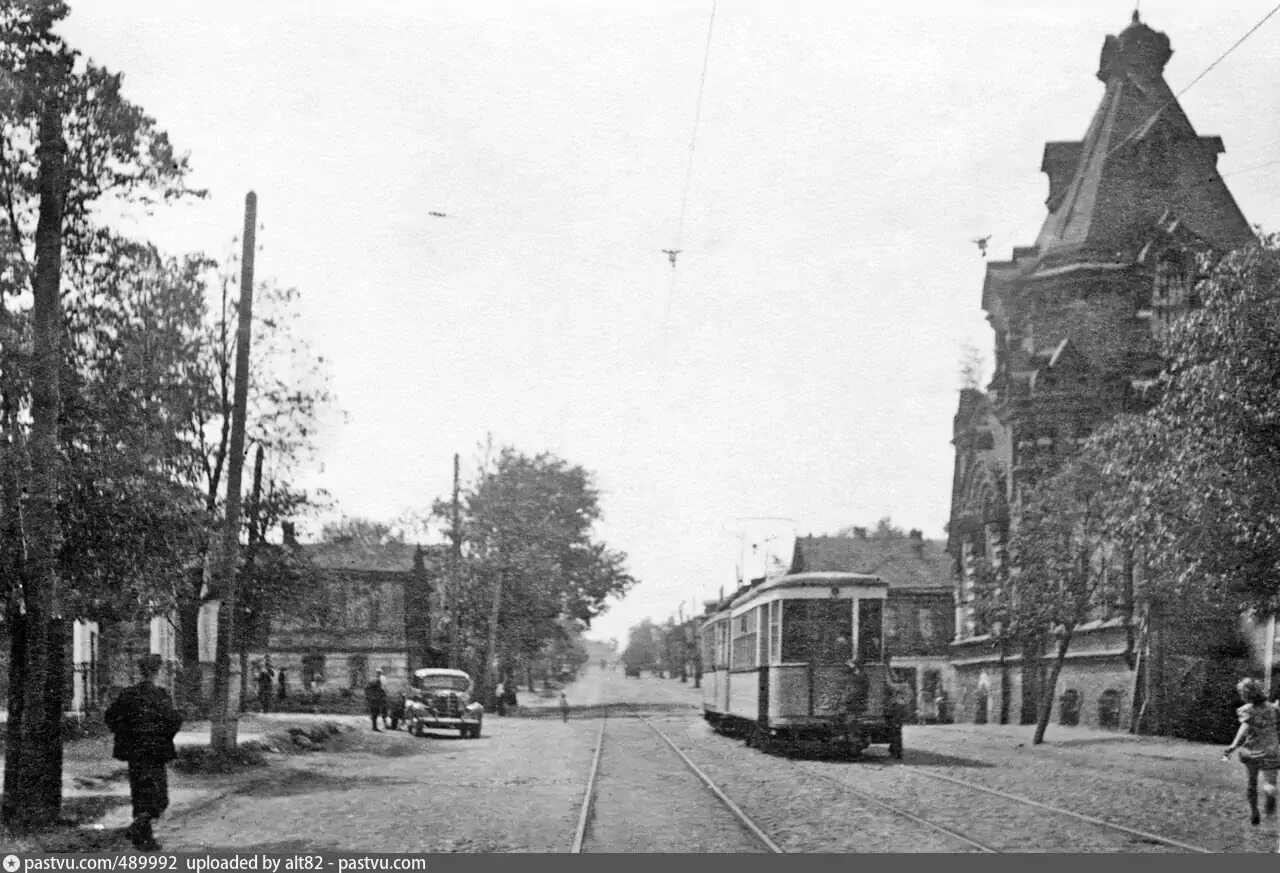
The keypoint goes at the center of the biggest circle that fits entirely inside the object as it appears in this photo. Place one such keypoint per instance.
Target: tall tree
(1063, 557)
(68, 142)
(531, 557)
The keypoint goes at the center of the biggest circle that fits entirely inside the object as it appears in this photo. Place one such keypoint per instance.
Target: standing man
(284, 686)
(264, 687)
(564, 707)
(376, 698)
(145, 722)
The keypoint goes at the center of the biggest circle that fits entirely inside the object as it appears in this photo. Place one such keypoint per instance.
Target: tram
(801, 658)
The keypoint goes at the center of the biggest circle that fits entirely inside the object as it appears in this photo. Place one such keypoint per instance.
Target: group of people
(271, 683)
(384, 703)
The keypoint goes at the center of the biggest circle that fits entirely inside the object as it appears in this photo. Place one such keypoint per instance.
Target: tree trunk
(1050, 687)
(33, 784)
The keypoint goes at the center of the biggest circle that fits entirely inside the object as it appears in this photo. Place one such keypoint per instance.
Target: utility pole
(455, 577)
(222, 733)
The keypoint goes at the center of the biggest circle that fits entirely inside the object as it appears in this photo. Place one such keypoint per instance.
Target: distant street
(520, 787)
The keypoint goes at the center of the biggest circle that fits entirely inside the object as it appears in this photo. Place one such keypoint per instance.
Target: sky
(801, 361)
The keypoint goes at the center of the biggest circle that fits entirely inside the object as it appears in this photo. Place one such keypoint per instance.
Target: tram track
(1142, 835)
(1044, 827)
(586, 813)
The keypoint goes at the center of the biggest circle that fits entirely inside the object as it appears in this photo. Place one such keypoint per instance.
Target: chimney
(860, 533)
(917, 542)
(290, 533)
(419, 564)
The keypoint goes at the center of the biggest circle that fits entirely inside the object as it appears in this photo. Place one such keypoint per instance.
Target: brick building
(1076, 318)
(919, 611)
(375, 612)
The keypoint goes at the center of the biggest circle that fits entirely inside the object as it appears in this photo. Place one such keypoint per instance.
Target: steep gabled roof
(1139, 160)
(894, 560)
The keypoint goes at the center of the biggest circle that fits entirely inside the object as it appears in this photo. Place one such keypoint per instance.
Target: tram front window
(817, 631)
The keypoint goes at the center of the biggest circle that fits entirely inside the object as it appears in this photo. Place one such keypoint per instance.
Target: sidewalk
(95, 787)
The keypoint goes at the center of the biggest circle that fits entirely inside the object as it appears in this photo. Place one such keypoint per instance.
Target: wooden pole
(222, 733)
(455, 576)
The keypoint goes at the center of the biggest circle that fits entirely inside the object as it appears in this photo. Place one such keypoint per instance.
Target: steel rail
(587, 797)
(982, 847)
(742, 817)
(1067, 812)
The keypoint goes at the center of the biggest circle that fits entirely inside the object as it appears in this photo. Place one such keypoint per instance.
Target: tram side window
(775, 628)
(745, 639)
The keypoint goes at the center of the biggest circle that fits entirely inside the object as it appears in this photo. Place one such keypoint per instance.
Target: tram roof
(811, 579)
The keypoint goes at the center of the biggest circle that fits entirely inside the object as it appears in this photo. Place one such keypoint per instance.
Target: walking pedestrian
(144, 722)
(564, 707)
(1258, 743)
(375, 697)
(283, 686)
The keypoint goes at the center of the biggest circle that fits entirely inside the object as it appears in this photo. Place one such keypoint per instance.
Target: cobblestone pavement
(519, 789)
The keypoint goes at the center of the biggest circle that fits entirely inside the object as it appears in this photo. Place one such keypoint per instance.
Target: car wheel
(475, 732)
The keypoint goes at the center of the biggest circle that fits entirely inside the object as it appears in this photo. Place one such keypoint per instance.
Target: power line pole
(455, 577)
(222, 733)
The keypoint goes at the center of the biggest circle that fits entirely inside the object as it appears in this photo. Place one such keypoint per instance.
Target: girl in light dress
(1258, 742)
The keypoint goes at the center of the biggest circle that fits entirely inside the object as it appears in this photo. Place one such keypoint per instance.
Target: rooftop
(902, 562)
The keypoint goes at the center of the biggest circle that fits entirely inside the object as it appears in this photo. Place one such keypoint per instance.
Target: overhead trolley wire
(1191, 85)
(1194, 81)
(688, 174)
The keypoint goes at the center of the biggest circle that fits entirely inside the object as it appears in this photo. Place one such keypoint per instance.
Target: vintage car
(441, 700)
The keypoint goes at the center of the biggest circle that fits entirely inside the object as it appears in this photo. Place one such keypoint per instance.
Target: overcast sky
(801, 360)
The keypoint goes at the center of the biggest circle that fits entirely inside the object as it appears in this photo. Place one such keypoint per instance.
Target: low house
(373, 612)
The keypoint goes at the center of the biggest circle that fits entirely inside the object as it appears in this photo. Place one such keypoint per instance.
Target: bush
(203, 760)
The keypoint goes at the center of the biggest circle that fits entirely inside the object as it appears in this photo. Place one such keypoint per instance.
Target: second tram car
(801, 657)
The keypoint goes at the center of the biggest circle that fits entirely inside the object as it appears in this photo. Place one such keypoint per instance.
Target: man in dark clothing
(375, 696)
(264, 688)
(284, 686)
(145, 722)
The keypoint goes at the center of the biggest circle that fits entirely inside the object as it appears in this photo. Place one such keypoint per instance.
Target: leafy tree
(1200, 466)
(1062, 556)
(360, 531)
(529, 558)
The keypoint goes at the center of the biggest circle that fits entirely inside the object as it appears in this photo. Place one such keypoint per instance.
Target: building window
(1109, 709)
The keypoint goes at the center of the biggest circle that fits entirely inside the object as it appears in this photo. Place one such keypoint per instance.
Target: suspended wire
(693, 144)
(1251, 169)
(1193, 82)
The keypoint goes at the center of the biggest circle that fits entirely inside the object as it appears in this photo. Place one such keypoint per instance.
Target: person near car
(500, 697)
(144, 722)
(375, 696)
(564, 707)
(283, 686)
